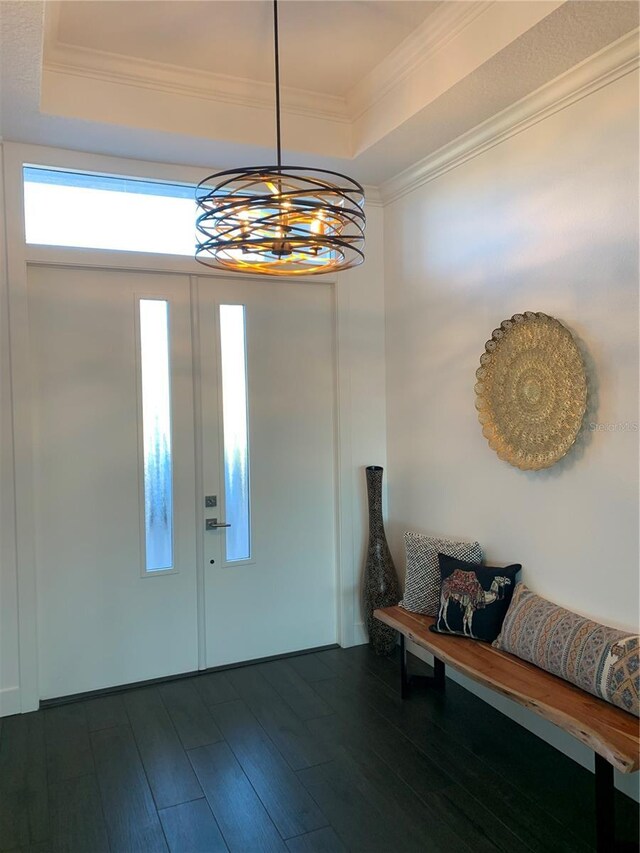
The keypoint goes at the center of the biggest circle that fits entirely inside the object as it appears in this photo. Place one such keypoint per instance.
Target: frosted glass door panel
(156, 429)
(235, 434)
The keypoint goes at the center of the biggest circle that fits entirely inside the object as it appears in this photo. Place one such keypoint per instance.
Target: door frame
(348, 492)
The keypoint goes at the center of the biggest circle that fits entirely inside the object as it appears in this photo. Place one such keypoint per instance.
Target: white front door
(278, 592)
(103, 619)
(136, 422)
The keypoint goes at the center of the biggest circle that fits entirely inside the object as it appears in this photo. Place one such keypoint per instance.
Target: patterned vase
(380, 581)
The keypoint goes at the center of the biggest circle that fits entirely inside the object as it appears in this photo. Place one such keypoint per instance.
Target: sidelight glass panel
(235, 431)
(156, 425)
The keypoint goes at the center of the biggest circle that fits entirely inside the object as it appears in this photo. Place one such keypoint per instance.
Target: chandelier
(280, 220)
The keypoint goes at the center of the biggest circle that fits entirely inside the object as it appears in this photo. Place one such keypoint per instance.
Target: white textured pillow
(422, 580)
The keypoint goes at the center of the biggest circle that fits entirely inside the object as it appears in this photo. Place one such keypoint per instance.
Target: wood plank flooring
(311, 754)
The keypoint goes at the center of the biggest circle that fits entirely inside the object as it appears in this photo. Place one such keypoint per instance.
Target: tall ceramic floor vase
(380, 581)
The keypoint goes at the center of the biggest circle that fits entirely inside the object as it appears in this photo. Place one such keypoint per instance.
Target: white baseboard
(629, 784)
(9, 701)
(359, 636)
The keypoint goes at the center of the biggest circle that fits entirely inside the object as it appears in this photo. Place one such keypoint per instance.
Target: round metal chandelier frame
(280, 220)
(284, 220)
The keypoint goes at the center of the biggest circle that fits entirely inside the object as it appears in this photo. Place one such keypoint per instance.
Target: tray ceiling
(325, 45)
(369, 87)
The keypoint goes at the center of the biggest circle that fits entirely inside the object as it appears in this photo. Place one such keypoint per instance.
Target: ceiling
(368, 87)
(324, 46)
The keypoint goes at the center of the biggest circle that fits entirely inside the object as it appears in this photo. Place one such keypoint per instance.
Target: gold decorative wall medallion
(531, 390)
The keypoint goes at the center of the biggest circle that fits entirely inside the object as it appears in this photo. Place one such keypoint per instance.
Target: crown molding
(372, 197)
(77, 61)
(604, 67)
(431, 37)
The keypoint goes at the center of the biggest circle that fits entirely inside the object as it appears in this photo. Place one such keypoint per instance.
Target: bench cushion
(596, 658)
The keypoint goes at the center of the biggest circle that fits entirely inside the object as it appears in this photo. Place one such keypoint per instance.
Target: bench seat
(610, 732)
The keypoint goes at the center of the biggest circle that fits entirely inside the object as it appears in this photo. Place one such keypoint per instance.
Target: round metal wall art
(531, 390)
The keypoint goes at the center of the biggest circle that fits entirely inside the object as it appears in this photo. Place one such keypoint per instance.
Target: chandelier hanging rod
(276, 46)
(280, 220)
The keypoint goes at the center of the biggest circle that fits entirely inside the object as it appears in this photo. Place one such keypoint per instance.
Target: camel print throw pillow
(473, 599)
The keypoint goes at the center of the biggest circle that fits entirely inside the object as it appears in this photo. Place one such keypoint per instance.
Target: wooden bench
(611, 733)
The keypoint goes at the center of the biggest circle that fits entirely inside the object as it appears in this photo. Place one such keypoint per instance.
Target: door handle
(213, 524)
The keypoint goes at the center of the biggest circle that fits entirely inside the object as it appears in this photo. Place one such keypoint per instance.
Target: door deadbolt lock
(211, 500)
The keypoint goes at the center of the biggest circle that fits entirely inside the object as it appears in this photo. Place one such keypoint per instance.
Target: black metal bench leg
(437, 679)
(404, 680)
(605, 809)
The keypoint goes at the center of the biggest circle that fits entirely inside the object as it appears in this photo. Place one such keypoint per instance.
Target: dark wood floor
(312, 753)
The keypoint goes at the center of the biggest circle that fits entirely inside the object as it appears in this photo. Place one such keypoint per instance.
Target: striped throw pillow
(601, 660)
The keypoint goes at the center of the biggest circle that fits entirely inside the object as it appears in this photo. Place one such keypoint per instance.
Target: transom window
(108, 212)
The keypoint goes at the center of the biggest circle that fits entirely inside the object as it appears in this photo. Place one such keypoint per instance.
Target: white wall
(9, 677)
(361, 410)
(545, 221)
